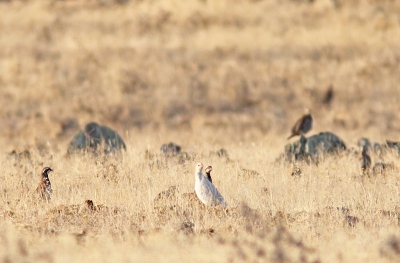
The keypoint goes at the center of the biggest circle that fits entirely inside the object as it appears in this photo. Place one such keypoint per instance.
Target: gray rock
(96, 139)
(170, 149)
(313, 147)
(393, 145)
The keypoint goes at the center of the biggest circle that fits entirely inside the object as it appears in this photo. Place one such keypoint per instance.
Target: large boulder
(313, 147)
(97, 139)
(170, 149)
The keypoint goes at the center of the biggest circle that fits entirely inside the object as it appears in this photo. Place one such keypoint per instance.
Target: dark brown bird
(44, 187)
(328, 97)
(365, 161)
(208, 173)
(302, 126)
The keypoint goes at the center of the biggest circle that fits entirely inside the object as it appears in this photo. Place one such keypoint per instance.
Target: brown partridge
(208, 173)
(44, 187)
(328, 97)
(365, 160)
(302, 126)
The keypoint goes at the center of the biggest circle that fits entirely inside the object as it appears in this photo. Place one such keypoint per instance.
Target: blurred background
(232, 69)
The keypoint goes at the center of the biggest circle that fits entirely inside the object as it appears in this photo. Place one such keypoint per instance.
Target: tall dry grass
(206, 75)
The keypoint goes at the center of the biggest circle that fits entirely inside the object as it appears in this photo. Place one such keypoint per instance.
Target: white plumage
(205, 190)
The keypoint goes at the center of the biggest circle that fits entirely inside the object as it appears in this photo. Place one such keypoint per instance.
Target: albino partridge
(208, 173)
(205, 190)
(44, 187)
(302, 126)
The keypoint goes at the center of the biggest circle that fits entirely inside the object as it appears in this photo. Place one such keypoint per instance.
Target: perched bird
(302, 126)
(365, 160)
(205, 190)
(44, 187)
(208, 173)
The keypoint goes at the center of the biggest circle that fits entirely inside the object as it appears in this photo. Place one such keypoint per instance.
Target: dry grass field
(206, 74)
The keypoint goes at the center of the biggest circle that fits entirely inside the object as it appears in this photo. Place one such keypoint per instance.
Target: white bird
(205, 190)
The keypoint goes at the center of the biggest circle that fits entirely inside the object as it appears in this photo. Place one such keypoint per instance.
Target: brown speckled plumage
(44, 187)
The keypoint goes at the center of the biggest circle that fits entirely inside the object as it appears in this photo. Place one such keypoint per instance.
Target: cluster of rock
(99, 139)
(171, 153)
(312, 148)
(379, 148)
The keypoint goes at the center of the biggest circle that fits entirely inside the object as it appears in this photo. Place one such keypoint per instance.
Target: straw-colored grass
(206, 75)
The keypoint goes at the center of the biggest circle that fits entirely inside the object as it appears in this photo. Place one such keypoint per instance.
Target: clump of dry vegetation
(210, 76)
